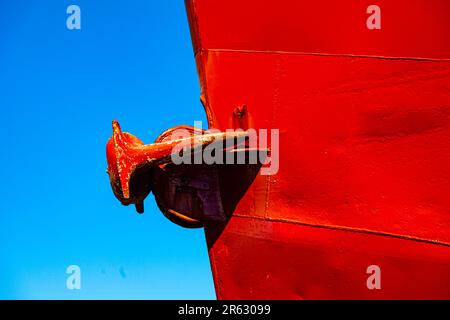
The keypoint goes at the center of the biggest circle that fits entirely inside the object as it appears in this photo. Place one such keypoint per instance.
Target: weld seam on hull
(343, 55)
(348, 229)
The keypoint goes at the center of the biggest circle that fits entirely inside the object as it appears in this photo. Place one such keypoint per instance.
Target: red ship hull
(364, 119)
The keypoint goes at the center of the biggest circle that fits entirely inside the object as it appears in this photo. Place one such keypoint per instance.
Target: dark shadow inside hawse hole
(201, 195)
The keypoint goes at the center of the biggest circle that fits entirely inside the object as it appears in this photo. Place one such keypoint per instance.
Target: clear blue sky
(59, 90)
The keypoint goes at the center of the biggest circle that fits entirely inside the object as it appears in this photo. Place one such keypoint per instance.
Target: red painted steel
(131, 163)
(364, 119)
